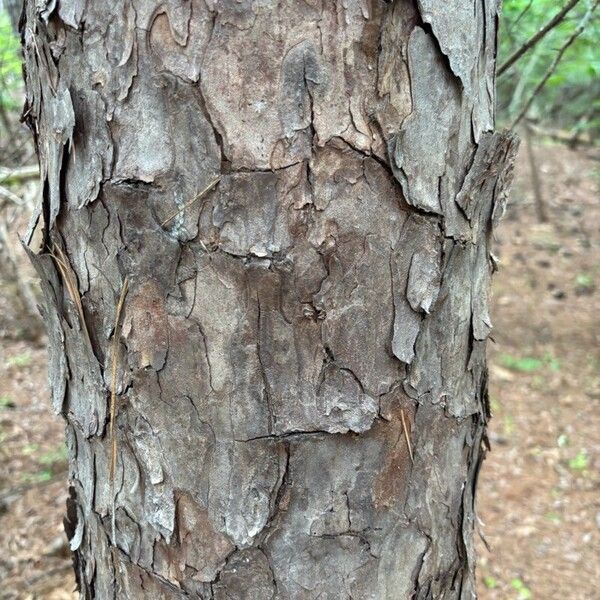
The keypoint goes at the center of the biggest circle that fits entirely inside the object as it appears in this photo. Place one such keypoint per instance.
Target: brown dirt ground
(539, 500)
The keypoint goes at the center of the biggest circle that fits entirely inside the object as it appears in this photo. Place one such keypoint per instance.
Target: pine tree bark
(277, 388)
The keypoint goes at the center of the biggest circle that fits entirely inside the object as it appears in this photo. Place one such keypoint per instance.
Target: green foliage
(579, 462)
(6, 402)
(19, 360)
(30, 449)
(554, 517)
(509, 425)
(490, 582)
(529, 364)
(584, 281)
(40, 477)
(51, 462)
(571, 97)
(57, 456)
(10, 65)
(495, 404)
(523, 592)
(552, 363)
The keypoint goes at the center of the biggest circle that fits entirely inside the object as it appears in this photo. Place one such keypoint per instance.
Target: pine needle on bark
(194, 199)
(113, 399)
(406, 436)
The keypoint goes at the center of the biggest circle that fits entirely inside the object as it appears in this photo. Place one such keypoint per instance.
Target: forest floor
(539, 492)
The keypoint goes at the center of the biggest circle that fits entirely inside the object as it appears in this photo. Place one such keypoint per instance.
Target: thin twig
(406, 436)
(8, 195)
(194, 199)
(114, 368)
(555, 62)
(572, 137)
(113, 398)
(534, 39)
(10, 175)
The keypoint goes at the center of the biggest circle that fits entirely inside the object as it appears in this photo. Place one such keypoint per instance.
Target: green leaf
(19, 360)
(509, 425)
(551, 362)
(524, 593)
(30, 449)
(6, 402)
(556, 80)
(58, 455)
(584, 280)
(580, 462)
(41, 477)
(527, 364)
(495, 404)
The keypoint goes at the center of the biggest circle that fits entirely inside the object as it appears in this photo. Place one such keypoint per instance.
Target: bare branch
(533, 40)
(8, 195)
(9, 175)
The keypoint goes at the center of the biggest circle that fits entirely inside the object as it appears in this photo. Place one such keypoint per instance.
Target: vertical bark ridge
(279, 333)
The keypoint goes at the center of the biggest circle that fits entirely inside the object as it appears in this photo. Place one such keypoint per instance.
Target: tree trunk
(13, 9)
(538, 197)
(294, 360)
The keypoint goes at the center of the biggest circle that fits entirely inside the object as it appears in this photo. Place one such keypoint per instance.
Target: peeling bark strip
(300, 196)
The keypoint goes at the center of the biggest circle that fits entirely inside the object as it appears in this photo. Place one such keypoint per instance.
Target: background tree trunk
(13, 8)
(296, 358)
